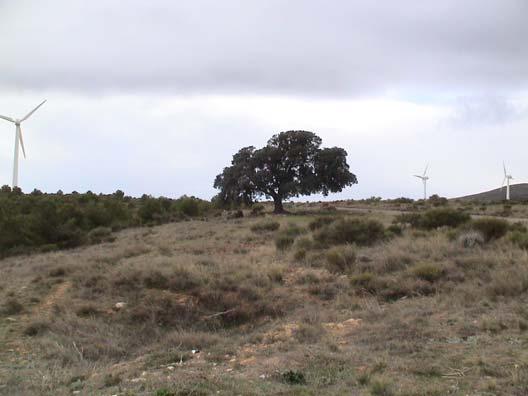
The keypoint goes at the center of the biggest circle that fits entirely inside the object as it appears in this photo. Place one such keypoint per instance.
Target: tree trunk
(278, 206)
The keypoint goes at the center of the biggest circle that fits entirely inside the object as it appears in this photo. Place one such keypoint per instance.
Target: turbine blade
(425, 171)
(419, 177)
(503, 181)
(21, 141)
(504, 167)
(7, 118)
(32, 111)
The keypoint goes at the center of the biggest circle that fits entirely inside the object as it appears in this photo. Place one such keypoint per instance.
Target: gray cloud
(298, 47)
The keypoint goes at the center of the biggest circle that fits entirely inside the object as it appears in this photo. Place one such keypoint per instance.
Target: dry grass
(199, 307)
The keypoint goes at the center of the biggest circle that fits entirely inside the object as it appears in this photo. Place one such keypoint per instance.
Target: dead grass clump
(128, 281)
(308, 333)
(325, 291)
(352, 231)
(101, 234)
(396, 262)
(191, 339)
(520, 238)
(265, 226)
(470, 239)
(341, 259)
(508, 283)
(162, 311)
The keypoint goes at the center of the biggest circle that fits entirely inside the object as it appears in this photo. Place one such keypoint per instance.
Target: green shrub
(443, 217)
(284, 241)
(351, 231)
(293, 230)
(340, 259)
(412, 219)
(265, 225)
(363, 280)
(320, 222)
(428, 272)
(382, 388)
(395, 229)
(518, 226)
(490, 228)
(293, 377)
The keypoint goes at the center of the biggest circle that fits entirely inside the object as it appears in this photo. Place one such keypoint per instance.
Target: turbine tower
(19, 140)
(424, 178)
(506, 180)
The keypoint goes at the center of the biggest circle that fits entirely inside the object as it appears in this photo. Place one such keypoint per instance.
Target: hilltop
(518, 192)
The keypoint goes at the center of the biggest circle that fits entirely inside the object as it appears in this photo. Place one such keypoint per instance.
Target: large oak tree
(291, 164)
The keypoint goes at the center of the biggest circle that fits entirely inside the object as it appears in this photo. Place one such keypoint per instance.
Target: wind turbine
(19, 140)
(506, 180)
(424, 178)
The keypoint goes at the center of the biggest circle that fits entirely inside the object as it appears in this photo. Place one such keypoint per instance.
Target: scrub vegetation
(341, 298)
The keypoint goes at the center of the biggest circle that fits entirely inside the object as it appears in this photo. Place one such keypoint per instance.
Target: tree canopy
(291, 164)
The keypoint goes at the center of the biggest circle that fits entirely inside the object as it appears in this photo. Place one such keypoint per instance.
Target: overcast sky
(156, 96)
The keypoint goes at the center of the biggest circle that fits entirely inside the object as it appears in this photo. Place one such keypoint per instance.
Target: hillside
(312, 303)
(518, 192)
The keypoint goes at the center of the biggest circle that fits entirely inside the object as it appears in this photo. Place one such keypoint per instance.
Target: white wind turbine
(506, 180)
(424, 178)
(19, 140)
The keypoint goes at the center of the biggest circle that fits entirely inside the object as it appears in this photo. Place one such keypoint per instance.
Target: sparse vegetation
(350, 305)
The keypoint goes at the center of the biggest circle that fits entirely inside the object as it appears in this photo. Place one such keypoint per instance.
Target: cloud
(295, 47)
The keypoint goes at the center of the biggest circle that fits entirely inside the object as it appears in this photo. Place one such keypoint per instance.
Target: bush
(284, 241)
(293, 377)
(436, 200)
(518, 226)
(353, 231)
(12, 307)
(340, 259)
(266, 225)
(394, 229)
(320, 222)
(36, 328)
(412, 219)
(443, 217)
(428, 272)
(490, 228)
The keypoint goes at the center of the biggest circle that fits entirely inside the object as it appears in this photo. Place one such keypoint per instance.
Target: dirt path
(14, 350)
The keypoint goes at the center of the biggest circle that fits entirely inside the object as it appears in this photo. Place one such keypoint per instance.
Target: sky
(155, 96)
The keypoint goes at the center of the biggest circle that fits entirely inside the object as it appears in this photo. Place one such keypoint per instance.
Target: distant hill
(518, 192)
